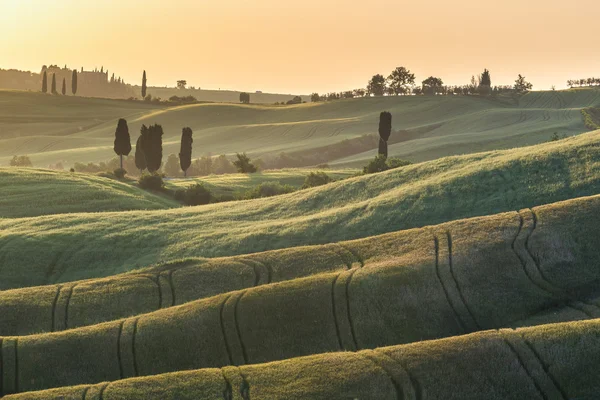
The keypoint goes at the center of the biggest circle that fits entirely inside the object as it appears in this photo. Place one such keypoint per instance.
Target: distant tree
(152, 145)
(349, 94)
(74, 82)
(295, 100)
(64, 87)
(243, 164)
(144, 85)
(202, 166)
(140, 157)
(181, 84)
(432, 85)
(185, 152)
(376, 85)
(122, 140)
(20, 161)
(221, 165)
(400, 80)
(45, 82)
(385, 130)
(359, 92)
(245, 98)
(54, 84)
(486, 79)
(315, 97)
(171, 167)
(521, 85)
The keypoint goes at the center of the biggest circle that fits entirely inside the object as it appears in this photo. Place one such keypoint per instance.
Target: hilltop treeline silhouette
(402, 82)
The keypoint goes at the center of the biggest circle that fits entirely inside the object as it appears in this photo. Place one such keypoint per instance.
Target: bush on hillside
(119, 173)
(194, 195)
(380, 164)
(21, 161)
(316, 179)
(151, 182)
(268, 189)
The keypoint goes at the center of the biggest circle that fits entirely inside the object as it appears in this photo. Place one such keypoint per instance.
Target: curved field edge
(64, 248)
(548, 362)
(535, 266)
(28, 192)
(542, 258)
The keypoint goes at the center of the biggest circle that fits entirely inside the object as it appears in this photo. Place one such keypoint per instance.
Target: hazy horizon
(311, 46)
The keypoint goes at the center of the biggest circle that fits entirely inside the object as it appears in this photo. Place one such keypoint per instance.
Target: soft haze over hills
(305, 46)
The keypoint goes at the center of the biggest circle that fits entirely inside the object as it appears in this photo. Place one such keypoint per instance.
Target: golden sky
(302, 46)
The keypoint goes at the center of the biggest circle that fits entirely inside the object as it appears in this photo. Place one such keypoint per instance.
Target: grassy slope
(34, 192)
(447, 125)
(235, 184)
(69, 247)
(442, 281)
(549, 362)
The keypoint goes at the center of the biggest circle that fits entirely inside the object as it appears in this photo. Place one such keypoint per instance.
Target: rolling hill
(548, 362)
(68, 247)
(72, 129)
(534, 266)
(28, 192)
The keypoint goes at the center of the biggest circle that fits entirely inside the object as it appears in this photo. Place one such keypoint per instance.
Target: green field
(79, 246)
(238, 184)
(468, 276)
(35, 192)
(52, 128)
(549, 362)
(533, 267)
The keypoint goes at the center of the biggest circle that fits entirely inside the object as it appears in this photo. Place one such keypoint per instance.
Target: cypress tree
(74, 82)
(152, 145)
(140, 157)
(144, 85)
(45, 82)
(64, 87)
(185, 153)
(385, 130)
(53, 83)
(122, 140)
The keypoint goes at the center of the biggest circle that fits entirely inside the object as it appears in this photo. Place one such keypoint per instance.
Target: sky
(304, 46)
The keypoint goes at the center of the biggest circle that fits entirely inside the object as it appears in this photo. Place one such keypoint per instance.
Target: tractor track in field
(396, 372)
(533, 365)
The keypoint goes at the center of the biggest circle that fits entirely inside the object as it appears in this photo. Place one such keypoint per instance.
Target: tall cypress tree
(122, 140)
(152, 146)
(53, 83)
(140, 157)
(185, 153)
(45, 82)
(144, 85)
(74, 82)
(64, 87)
(385, 130)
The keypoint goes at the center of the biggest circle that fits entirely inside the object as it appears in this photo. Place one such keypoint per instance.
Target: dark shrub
(268, 189)
(151, 182)
(316, 179)
(194, 195)
(380, 164)
(119, 173)
(396, 162)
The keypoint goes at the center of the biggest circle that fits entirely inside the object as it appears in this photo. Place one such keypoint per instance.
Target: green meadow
(53, 129)
(471, 273)
(89, 245)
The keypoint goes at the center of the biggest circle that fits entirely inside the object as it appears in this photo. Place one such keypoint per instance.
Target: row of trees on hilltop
(583, 82)
(64, 84)
(401, 82)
